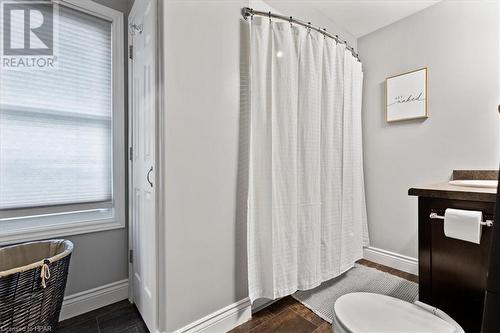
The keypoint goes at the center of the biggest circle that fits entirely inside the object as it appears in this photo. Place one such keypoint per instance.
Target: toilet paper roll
(463, 224)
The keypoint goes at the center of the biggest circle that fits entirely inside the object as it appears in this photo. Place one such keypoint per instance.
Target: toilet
(368, 312)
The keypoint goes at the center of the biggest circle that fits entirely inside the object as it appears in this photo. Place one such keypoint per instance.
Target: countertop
(446, 191)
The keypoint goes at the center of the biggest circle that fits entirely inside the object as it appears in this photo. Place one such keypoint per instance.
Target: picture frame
(406, 96)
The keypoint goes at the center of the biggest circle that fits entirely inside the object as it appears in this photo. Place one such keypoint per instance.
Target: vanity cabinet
(452, 272)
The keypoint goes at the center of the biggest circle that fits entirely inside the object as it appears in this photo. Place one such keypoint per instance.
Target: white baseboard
(391, 259)
(222, 320)
(88, 300)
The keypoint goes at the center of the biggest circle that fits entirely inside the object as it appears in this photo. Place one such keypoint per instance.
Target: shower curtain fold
(306, 208)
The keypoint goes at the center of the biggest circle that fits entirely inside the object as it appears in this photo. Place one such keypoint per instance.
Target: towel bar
(487, 223)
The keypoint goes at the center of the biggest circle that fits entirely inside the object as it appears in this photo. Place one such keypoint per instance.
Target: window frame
(59, 221)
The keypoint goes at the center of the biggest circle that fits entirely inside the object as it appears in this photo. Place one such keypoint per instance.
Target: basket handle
(45, 272)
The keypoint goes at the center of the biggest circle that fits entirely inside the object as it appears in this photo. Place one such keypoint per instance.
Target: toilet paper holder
(487, 223)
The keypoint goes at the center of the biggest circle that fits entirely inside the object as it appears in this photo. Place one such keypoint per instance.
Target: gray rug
(358, 279)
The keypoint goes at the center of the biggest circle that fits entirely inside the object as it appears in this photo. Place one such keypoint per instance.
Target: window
(62, 130)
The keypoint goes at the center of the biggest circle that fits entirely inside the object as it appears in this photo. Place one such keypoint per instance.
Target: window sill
(56, 230)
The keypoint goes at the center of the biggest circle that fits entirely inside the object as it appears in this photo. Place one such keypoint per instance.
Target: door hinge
(131, 51)
(131, 256)
(130, 153)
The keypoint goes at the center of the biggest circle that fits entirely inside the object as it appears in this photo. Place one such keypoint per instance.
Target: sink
(475, 183)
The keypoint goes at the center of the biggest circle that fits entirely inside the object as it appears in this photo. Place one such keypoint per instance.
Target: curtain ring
(269, 17)
(324, 35)
(309, 27)
(251, 14)
(290, 20)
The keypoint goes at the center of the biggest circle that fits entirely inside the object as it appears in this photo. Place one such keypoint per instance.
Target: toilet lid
(367, 312)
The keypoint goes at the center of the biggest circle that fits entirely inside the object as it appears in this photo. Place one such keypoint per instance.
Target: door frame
(130, 175)
(161, 220)
(160, 322)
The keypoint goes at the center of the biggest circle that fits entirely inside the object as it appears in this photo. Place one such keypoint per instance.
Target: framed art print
(406, 96)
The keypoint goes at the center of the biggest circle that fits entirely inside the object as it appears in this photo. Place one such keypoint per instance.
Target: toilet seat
(367, 312)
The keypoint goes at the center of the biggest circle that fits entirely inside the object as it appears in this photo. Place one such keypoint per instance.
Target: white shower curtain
(306, 204)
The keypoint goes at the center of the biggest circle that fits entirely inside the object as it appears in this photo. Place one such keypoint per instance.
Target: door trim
(160, 163)
(130, 175)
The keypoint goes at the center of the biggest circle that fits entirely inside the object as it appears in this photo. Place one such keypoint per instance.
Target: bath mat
(358, 279)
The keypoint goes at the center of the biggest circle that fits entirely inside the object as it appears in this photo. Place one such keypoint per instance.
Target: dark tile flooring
(121, 317)
(284, 316)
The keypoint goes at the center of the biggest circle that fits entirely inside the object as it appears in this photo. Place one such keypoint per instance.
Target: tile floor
(121, 317)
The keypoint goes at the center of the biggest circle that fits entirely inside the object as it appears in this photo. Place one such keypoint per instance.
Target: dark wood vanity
(452, 272)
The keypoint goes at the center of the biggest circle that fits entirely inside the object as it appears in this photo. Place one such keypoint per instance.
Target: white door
(142, 80)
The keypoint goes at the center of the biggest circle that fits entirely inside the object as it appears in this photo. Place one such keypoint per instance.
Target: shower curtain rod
(246, 12)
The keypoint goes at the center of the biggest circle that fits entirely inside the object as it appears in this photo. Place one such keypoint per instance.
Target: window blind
(56, 124)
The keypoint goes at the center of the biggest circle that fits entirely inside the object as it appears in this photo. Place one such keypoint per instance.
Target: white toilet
(367, 312)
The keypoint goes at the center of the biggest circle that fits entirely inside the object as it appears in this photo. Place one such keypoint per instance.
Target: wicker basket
(32, 282)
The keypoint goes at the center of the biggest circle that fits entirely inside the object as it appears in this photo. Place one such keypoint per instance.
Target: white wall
(205, 235)
(206, 155)
(305, 11)
(459, 43)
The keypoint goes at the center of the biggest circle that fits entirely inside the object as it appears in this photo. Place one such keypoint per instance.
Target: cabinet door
(459, 268)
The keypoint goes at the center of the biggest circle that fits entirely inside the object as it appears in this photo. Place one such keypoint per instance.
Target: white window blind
(56, 124)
